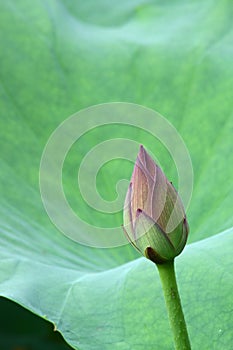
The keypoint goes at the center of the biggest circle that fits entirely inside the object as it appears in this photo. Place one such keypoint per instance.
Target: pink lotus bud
(154, 218)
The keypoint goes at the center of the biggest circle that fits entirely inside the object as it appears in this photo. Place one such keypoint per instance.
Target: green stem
(173, 303)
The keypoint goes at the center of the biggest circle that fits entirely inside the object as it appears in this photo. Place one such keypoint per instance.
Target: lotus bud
(154, 217)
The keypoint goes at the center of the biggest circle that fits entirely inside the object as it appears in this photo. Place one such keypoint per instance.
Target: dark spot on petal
(138, 212)
(151, 254)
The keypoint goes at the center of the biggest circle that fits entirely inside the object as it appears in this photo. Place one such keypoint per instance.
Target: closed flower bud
(154, 218)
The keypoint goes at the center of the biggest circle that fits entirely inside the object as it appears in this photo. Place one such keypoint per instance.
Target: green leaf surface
(58, 57)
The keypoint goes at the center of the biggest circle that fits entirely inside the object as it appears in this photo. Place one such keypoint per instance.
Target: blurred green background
(22, 330)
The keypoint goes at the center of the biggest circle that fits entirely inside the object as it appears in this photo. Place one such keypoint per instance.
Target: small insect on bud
(154, 218)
